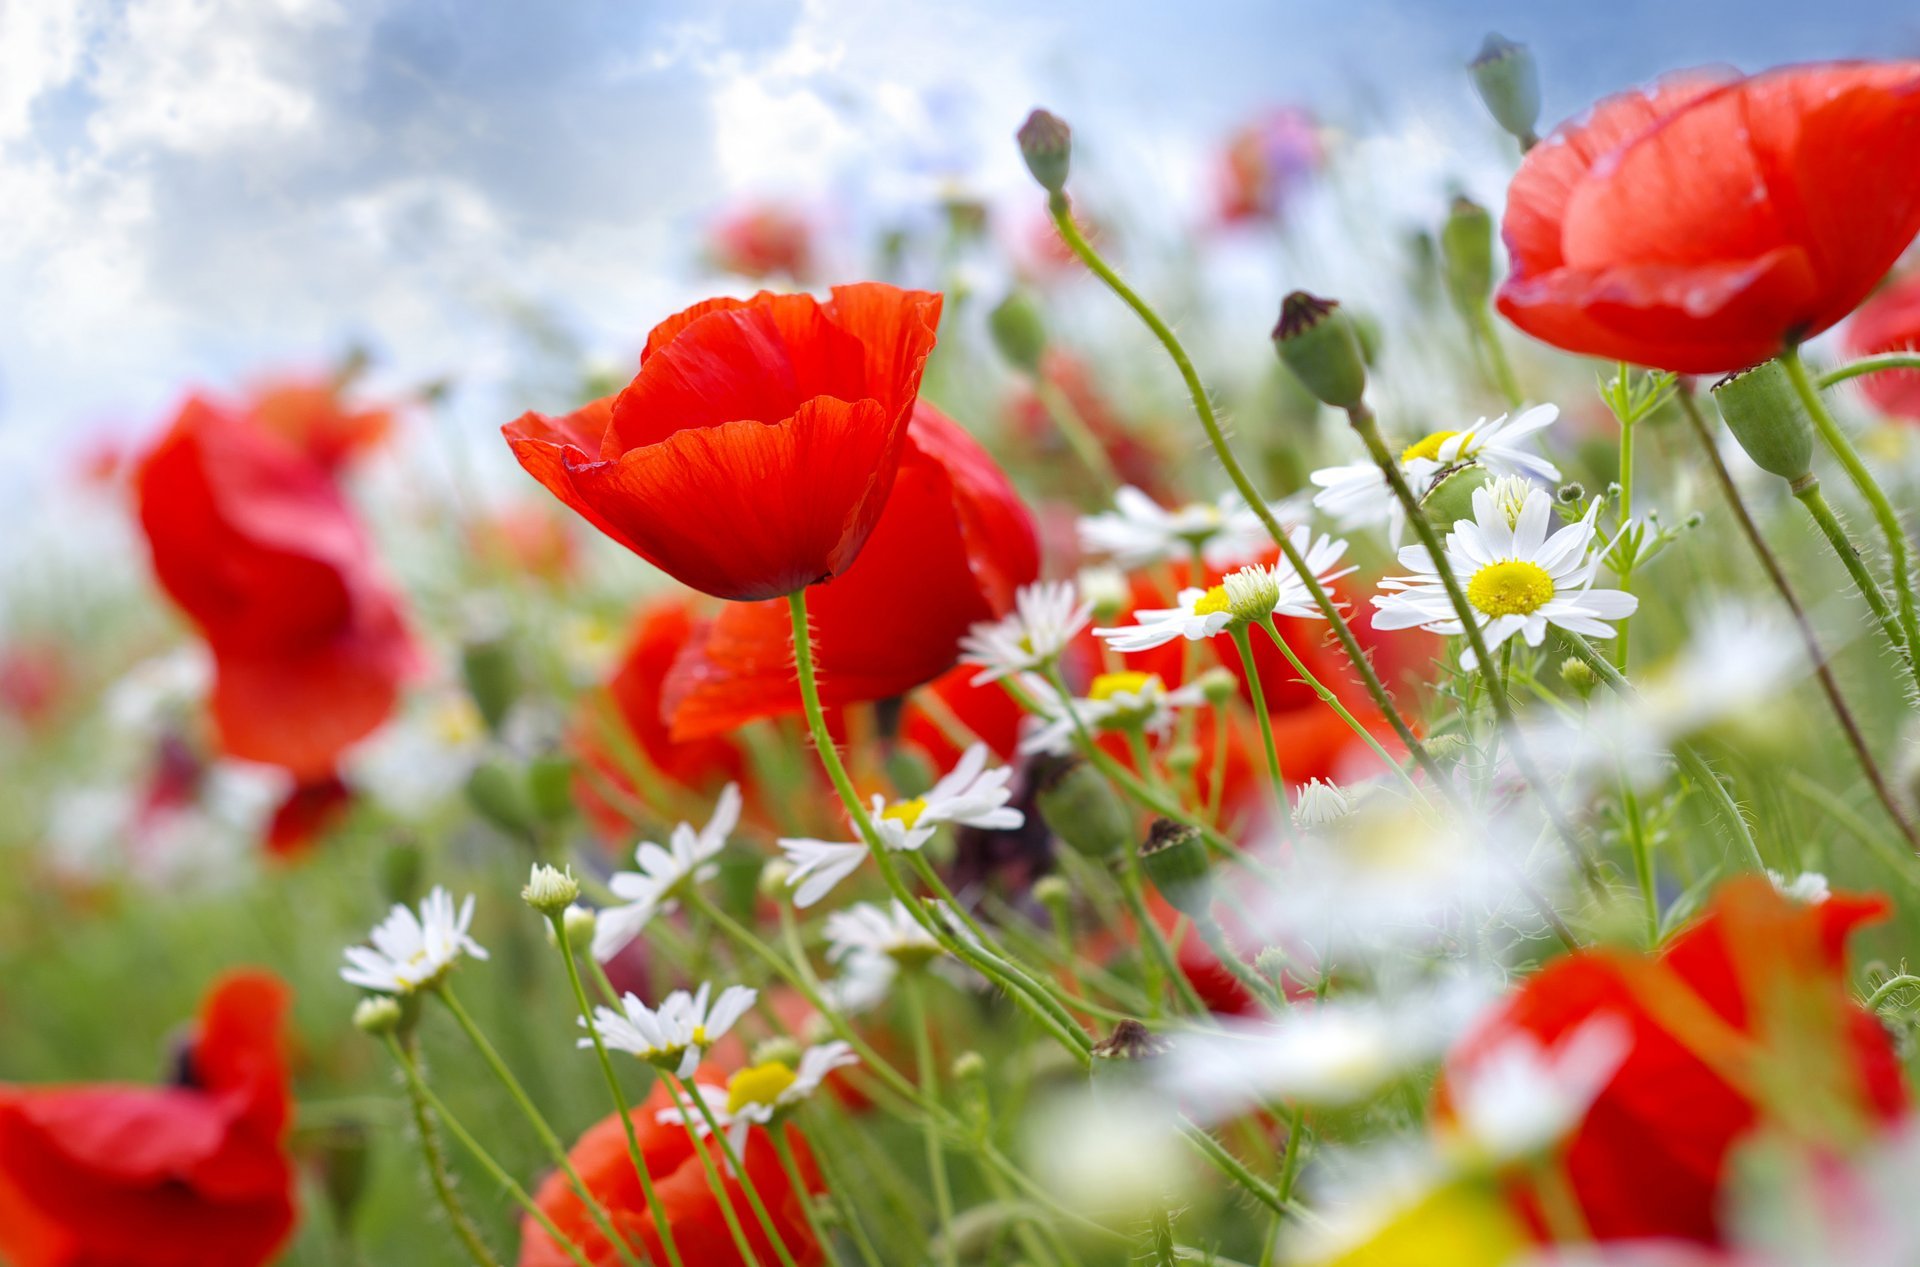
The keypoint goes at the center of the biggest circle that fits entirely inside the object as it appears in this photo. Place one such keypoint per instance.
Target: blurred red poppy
(954, 544)
(314, 416)
(1890, 322)
(755, 450)
(691, 1208)
(190, 1175)
(1704, 224)
(763, 241)
(257, 545)
(1744, 1017)
(1267, 163)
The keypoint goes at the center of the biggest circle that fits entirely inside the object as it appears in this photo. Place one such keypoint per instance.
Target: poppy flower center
(1428, 446)
(906, 813)
(1131, 682)
(759, 1084)
(1213, 602)
(1515, 587)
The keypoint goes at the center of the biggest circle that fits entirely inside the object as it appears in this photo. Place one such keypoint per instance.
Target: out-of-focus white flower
(423, 756)
(675, 1035)
(1808, 888)
(1108, 1152)
(688, 858)
(1114, 701)
(870, 944)
(1045, 617)
(1520, 1098)
(1518, 579)
(758, 1094)
(1250, 593)
(1357, 494)
(411, 952)
(1319, 802)
(157, 690)
(1138, 531)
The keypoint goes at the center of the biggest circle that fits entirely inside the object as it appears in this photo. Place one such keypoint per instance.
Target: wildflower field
(934, 759)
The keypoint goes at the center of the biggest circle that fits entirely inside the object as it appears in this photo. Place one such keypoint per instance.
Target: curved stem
(930, 1086)
(715, 1183)
(1870, 365)
(1887, 987)
(738, 1165)
(1332, 701)
(437, 1173)
(1807, 492)
(1243, 643)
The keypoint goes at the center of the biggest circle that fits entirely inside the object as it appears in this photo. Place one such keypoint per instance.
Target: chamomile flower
(1253, 592)
(1138, 531)
(869, 944)
(412, 952)
(1518, 578)
(688, 858)
(1516, 1101)
(969, 795)
(1045, 617)
(1115, 701)
(759, 1094)
(676, 1034)
(1320, 802)
(1356, 494)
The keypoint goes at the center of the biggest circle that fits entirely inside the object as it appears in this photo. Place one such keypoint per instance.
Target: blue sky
(194, 190)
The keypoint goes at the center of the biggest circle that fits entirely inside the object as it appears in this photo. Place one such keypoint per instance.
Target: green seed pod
(1080, 807)
(1466, 240)
(497, 794)
(1175, 859)
(1451, 497)
(1317, 342)
(1508, 81)
(550, 787)
(1767, 417)
(492, 674)
(1018, 331)
(1046, 143)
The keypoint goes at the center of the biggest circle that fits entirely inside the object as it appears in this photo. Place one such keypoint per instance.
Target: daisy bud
(577, 925)
(1175, 859)
(1451, 498)
(1320, 803)
(1765, 415)
(497, 794)
(1578, 675)
(1217, 685)
(1080, 807)
(1183, 759)
(1508, 81)
(1466, 242)
(779, 1049)
(1271, 963)
(1107, 590)
(378, 1015)
(774, 877)
(493, 678)
(1317, 342)
(1252, 593)
(1571, 493)
(1046, 143)
(550, 890)
(969, 1065)
(1053, 893)
(1018, 331)
(1445, 747)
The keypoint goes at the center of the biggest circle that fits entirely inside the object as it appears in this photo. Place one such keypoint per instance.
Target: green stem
(1888, 987)
(1871, 365)
(1255, 984)
(1332, 701)
(1243, 643)
(425, 1094)
(437, 1173)
(1807, 491)
(837, 1189)
(930, 1086)
(1503, 375)
(798, 1181)
(1080, 438)
(1642, 859)
(1625, 574)
(715, 1184)
(620, 1102)
(1163, 1237)
(738, 1165)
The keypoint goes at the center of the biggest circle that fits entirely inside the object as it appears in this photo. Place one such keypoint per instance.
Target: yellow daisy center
(1130, 682)
(1513, 588)
(758, 1084)
(1212, 602)
(1428, 446)
(906, 813)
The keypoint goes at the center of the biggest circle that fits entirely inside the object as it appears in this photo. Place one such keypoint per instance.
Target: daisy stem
(1332, 701)
(1863, 480)
(1255, 984)
(1870, 365)
(930, 1085)
(595, 1211)
(436, 1159)
(620, 1103)
(1368, 428)
(1243, 643)
(1642, 858)
(837, 1189)
(1203, 407)
(788, 1163)
(1217, 779)
(738, 1164)
(424, 1096)
(1770, 564)
(715, 1183)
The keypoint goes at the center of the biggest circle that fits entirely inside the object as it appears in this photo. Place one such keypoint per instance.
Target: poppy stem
(1503, 375)
(1276, 777)
(1810, 496)
(426, 1102)
(837, 1190)
(715, 1183)
(1079, 436)
(620, 1103)
(1210, 422)
(1870, 365)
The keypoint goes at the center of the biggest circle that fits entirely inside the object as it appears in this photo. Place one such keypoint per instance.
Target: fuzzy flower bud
(1767, 417)
(577, 925)
(1508, 81)
(550, 890)
(1578, 675)
(1317, 342)
(1018, 331)
(1046, 143)
(1052, 892)
(378, 1015)
(1252, 593)
(773, 878)
(1175, 859)
(1466, 243)
(492, 674)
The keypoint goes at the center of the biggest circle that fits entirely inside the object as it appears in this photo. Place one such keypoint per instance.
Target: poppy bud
(1046, 143)
(1466, 241)
(1451, 498)
(1316, 341)
(1125, 1058)
(497, 794)
(493, 678)
(1508, 81)
(1767, 417)
(1175, 859)
(1080, 807)
(1018, 331)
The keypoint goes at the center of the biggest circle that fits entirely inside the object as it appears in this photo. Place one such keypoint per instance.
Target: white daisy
(969, 795)
(1319, 802)
(1114, 701)
(676, 1034)
(1518, 579)
(688, 858)
(868, 930)
(1809, 888)
(1251, 593)
(758, 1094)
(412, 952)
(1356, 494)
(1138, 531)
(1517, 1100)
(1045, 617)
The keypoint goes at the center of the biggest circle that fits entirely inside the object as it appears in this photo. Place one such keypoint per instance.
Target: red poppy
(1744, 1016)
(306, 813)
(1703, 225)
(258, 547)
(313, 416)
(954, 544)
(191, 1175)
(1890, 322)
(754, 452)
(763, 241)
(679, 1180)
